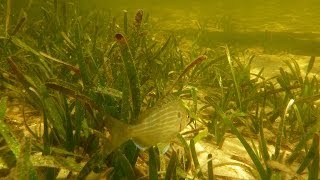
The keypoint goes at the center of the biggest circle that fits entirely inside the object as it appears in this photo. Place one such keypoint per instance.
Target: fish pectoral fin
(144, 143)
(141, 143)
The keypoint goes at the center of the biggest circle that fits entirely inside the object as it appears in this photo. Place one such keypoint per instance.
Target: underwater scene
(158, 89)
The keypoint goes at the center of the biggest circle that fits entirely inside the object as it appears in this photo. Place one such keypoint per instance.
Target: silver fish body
(159, 124)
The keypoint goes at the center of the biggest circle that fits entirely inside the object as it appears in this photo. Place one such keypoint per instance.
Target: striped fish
(159, 124)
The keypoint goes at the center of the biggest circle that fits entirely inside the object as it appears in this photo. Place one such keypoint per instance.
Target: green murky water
(77, 63)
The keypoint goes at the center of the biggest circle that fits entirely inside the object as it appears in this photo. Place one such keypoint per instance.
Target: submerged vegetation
(71, 73)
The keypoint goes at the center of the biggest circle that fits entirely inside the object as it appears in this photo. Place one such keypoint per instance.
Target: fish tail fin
(119, 131)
